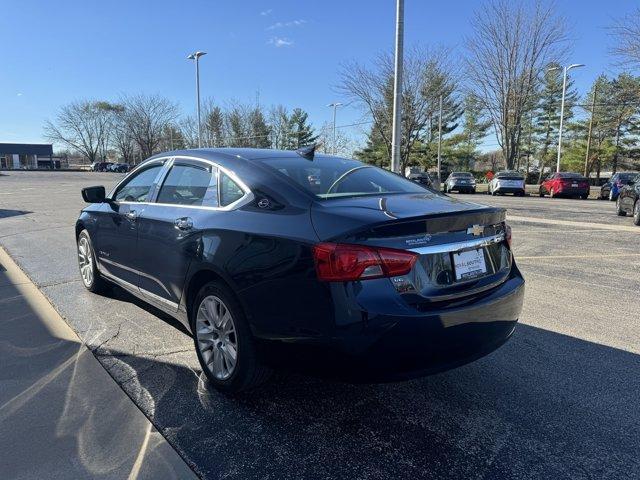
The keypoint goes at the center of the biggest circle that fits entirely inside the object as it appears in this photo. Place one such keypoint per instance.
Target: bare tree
(626, 32)
(511, 44)
(84, 126)
(147, 117)
(427, 75)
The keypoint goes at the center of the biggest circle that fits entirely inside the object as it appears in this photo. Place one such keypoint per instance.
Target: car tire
(636, 213)
(215, 344)
(619, 210)
(89, 273)
(584, 197)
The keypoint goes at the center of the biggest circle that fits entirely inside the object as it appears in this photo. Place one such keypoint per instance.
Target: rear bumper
(573, 192)
(390, 347)
(462, 188)
(516, 190)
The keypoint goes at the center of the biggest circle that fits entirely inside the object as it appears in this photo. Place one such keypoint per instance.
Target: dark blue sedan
(282, 259)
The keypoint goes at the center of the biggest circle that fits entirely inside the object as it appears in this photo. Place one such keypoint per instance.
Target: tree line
(136, 127)
(507, 83)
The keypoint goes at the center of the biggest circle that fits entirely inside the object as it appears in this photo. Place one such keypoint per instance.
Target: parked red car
(566, 184)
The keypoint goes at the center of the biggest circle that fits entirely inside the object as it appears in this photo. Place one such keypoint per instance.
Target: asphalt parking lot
(559, 400)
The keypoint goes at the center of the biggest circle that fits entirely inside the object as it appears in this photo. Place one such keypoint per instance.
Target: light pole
(196, 56)
(396, 137)
(335, 106)
(564, 91)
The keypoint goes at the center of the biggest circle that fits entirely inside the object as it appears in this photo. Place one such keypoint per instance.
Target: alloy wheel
(216, 337)
(85, 261)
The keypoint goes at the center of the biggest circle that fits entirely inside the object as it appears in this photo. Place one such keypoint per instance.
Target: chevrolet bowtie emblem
(476, 230)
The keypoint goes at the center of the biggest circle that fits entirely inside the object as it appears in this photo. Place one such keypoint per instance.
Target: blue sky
(53, 52)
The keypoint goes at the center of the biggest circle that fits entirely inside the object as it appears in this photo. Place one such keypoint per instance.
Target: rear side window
(188, 184)
(230, 191)
(138, 186)
(330, 177)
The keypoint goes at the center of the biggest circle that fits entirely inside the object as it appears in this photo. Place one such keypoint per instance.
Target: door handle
(131, 215)
(183, 223)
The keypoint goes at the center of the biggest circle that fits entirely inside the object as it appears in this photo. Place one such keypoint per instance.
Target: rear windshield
(461, 174)
(625, 177)
(572, 175)
(515, 175)
(330, 177)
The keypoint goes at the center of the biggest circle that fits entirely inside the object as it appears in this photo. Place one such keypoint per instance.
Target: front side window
(137, 188)
(329, 177)
(230, 191)
(188, 184)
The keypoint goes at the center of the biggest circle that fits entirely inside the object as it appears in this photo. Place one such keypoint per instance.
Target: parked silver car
(462, 182)
(507, 182)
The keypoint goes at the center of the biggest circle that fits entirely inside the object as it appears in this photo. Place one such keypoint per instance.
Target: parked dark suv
(359, 273)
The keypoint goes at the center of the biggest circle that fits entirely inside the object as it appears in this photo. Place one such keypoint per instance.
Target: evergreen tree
(301, 133)
(214, 127)
(260, 131)
(547, 113)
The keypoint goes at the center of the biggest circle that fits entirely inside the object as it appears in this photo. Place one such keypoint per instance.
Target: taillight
(339, 262)
(507, 234)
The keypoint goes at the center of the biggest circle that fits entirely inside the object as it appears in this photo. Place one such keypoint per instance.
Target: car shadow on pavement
(6, 213)
(545, 405)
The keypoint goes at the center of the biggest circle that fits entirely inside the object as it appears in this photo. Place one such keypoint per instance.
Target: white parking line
(611, 255)
(569, 223)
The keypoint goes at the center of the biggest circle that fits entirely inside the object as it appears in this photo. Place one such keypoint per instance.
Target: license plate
(469, 264)
(574, 185)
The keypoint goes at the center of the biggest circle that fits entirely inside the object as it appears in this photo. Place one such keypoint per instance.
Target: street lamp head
(551, 69)
(334, 104)
(196, 55)
(575, 65)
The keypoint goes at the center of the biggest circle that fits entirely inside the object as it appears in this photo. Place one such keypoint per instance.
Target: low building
(21, 156)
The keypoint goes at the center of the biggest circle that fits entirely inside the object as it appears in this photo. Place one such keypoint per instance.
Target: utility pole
(593, 108)
(565, 70)
(396, 137)
(439, 138)
(335, 106)
(196, 56)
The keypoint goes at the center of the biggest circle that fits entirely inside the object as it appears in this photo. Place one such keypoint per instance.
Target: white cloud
(266, 12)
(280, 42)
(19, 94)
(292, 23)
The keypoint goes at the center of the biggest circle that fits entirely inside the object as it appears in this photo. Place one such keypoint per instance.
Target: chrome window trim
(162, 160)
(459, 246)
(248, 197)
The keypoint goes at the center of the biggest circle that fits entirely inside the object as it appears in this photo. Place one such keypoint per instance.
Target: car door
(169, 229)
(117, 230)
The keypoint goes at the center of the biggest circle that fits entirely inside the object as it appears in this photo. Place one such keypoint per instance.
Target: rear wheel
(223, 341)
(91, 278)
(619, 210)
(636, 213)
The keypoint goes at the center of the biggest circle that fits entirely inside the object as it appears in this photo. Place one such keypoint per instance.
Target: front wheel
(223, 341)
(91, 278)
(636, 213)
(619, 210)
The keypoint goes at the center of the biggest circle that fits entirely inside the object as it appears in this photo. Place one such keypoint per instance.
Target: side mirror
(94, 194)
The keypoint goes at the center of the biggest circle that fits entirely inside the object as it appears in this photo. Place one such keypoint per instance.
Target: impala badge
(476, 230)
